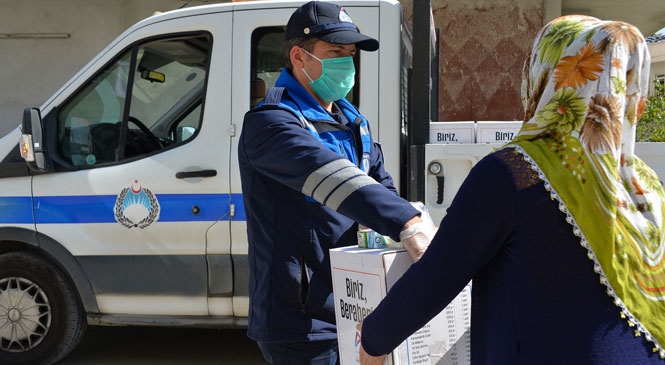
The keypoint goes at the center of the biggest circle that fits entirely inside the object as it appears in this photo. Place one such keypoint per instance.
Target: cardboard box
(496, 132)
(452, 132)
(362, 277)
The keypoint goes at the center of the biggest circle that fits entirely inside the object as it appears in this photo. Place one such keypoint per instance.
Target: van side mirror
(32, 144)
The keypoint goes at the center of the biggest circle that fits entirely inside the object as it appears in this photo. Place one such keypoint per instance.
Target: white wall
(31, 69)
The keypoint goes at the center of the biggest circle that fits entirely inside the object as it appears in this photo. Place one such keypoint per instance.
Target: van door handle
(199, 173)
(440, 183)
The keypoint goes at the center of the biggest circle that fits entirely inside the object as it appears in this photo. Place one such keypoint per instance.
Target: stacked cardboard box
(362, 277)
(491, 132)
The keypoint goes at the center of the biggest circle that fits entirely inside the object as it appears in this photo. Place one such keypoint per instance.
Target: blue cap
(327, 22)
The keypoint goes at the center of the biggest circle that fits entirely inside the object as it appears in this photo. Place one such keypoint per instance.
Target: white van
(131, 211)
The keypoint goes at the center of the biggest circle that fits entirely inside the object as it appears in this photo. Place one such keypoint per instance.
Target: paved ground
(167, 346)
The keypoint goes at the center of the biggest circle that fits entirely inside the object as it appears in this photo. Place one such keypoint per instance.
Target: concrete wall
(482, 50)
(33, 68)
(483, 46)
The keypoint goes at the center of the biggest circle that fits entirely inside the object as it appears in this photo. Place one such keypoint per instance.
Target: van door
(139, 149)
(251, 29)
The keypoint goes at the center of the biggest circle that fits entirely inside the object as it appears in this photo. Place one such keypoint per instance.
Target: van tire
(48, 297)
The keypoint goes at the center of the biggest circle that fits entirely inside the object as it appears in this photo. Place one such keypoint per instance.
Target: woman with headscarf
(560, 230)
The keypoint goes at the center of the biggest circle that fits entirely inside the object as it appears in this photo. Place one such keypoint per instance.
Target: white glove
(416, 238)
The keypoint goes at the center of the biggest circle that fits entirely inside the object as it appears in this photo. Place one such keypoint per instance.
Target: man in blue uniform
(310, 174)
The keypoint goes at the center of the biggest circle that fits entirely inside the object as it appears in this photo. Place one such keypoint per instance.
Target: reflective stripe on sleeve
(332, 183)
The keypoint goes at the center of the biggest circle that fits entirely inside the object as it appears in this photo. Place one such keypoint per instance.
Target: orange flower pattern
(574, 71)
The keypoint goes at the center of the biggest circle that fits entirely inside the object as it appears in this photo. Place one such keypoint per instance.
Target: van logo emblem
(136, 206)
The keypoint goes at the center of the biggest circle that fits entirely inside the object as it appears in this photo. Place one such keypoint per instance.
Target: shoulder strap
(273, 100)
(274, 96)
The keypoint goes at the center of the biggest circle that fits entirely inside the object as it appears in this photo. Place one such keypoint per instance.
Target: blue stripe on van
(15, 209)
(99, 208)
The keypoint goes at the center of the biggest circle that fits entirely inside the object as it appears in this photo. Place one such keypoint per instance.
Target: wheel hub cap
(14, 314)
(25, 314)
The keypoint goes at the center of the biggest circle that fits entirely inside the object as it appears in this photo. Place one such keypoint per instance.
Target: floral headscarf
(584, 87)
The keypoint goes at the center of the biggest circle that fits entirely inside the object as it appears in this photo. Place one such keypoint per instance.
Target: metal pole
(420, 99)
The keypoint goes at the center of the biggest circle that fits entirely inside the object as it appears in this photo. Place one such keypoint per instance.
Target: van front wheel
(41, 319)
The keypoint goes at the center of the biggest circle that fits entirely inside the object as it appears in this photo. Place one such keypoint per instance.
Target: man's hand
(416, 237)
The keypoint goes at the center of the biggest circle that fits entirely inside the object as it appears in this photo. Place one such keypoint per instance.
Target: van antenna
(183, 5)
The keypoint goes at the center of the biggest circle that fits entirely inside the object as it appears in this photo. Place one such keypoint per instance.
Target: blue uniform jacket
(303, 194)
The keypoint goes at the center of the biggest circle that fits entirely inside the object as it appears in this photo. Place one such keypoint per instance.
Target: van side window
(148, 100)
(268, 60)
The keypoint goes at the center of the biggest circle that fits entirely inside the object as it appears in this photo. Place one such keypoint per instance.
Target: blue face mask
(337, 77)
